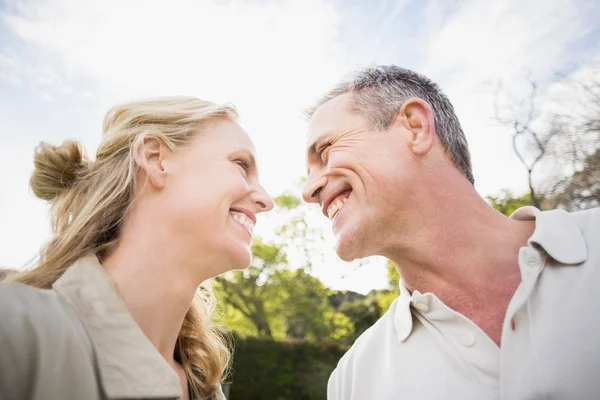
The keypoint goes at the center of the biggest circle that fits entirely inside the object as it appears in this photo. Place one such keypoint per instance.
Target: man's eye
(324, 153)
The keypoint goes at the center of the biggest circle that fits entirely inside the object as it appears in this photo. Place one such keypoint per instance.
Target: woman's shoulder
(20, 302)
(46, 352)
(34, 317)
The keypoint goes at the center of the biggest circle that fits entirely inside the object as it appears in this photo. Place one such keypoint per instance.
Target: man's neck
(470, 262)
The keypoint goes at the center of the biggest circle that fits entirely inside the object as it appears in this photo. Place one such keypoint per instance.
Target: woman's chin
(239, 257)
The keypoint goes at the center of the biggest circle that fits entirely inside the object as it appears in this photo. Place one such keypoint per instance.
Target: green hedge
(272, 370)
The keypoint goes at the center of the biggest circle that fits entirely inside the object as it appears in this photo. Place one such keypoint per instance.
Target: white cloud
(271, 59)
(483, 42)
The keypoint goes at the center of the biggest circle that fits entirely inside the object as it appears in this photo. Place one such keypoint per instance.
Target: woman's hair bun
(57, 168)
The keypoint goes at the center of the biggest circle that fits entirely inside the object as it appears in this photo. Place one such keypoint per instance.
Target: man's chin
(346, 248)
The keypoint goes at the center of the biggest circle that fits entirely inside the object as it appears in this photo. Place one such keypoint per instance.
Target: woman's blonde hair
(89, 200)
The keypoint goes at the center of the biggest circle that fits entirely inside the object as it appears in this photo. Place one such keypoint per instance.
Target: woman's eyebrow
(248, 153)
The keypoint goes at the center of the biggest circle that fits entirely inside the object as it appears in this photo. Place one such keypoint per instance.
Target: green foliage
(303, 306)
(267, 254)
(289, 304)
(507, 203)
(281, 370)
(363, 313)
(385, 298)
(287, 201)
(274, 299)
(246, 294)
(393, 276)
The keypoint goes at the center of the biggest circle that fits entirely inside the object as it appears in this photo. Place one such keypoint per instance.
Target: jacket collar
(130, 365)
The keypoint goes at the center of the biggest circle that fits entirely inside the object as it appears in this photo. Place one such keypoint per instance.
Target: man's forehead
(327, 118)
(335, 105)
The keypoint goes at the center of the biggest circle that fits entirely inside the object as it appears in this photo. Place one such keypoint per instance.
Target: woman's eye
(245, 166)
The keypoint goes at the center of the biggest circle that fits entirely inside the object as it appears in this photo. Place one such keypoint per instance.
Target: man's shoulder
(572, 234)
(587, 220)
(588, 224)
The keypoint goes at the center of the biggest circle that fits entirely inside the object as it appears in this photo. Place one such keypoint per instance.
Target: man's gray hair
(380, 92)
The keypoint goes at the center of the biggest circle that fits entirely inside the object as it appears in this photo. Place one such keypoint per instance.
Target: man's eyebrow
(312, 149)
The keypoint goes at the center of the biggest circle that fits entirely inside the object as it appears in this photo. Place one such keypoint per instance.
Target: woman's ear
(149, 157)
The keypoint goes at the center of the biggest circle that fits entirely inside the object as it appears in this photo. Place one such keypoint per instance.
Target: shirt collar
(402, 315)
(556, 232)
(130, 365)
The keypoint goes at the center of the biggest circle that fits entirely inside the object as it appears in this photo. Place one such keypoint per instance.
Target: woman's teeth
(335, 207)
(243, 220)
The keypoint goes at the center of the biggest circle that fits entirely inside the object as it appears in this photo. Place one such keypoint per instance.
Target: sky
(63, 63)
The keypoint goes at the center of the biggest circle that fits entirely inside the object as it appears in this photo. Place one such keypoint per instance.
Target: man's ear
(149, 157)
(416, 116)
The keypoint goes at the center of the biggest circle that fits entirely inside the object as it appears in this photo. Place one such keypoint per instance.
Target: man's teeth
(335, 207)
(242, 219)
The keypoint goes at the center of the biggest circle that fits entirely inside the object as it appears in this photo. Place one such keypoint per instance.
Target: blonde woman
(113, 308)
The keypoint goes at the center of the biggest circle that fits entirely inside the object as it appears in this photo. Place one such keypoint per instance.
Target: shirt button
(533, 260)
(422, 307)
(468, 339)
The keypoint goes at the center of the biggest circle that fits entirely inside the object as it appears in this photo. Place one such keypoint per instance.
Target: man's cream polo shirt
(421, 349)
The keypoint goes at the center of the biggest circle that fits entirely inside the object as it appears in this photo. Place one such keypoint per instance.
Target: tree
(582, 190)
(364, 310)
(521, 123)
(507, 203)
(563, 144)
(275, 299)
(246, 291)
(386, 297)
(304, 308)
(393, 276)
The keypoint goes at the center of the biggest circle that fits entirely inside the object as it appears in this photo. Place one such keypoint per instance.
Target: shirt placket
(475, 350)
(517, 326)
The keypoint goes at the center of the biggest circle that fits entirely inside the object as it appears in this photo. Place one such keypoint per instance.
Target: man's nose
(313, 187)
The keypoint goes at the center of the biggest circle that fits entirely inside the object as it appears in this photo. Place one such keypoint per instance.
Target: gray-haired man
(490, 306)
